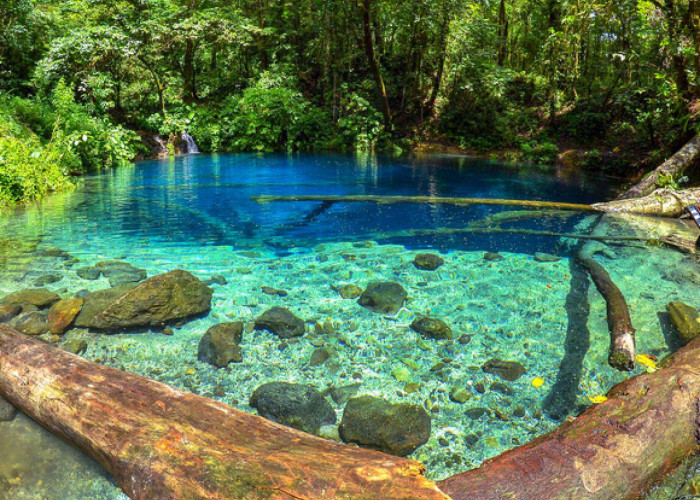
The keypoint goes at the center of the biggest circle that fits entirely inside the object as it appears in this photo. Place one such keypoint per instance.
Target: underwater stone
(546, 257)
(477, 413)
(686, 319)
(464, 339)
(502, 388)
(507, 370)
(31, 323)
(432, 328)
(9, 311)
(341, 395)
(281, 322)
(89, 273)
(296, 405)
(120, 273)
(218, 279)
(398, 429)
(76, 346)
(62, 314)
(159, 300)
(460, 395)
(47, 279)
(7, 411)
(384, 297)
(350, 291)
(493, 257)
(219, 345)
(428, 261)
(319, 356)
(273, 291)
(39, 297)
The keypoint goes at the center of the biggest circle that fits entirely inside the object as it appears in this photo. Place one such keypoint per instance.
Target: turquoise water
(195, 213)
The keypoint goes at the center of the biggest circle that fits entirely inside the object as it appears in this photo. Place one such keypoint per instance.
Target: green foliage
(541, 153)
(360, 126)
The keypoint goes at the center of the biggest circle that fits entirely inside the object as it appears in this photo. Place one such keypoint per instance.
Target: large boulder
(398, 429)
(281, 322)
(159, 300)
(686, 320)
(39, 297)
(384, 297)
(219, 345)
(296, 405)
(62, 314)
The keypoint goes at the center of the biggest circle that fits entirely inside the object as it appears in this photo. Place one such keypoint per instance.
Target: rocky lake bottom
(527, 347)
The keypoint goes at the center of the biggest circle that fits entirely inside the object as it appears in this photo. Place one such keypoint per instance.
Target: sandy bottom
(545, 315)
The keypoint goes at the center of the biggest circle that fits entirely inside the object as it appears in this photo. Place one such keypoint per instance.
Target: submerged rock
(9, 311)
(39, 297)
(62, 314)
(273, 291)
(686, 319)
(219, 345)
(385, 297)
(428, 261)
(119, 272)
(296, 405)
(159, 300)
(47, 279)
(493, 257)
(372, 422)
(341, 395)
(281, 322)
(350, 291)
(507, 370)
(89, 273)
(76, 346)
(31, 323)
(432, 328)
(319, 356)
(546, 257)
(7, 411)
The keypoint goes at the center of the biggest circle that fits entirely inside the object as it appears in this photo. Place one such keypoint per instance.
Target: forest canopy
(84, 84)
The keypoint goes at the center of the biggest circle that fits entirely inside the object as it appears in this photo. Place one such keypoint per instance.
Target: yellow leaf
(598, 399)
(647, 362)
(537, 382)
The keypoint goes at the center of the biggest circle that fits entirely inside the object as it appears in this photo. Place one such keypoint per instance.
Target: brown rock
(686, 320)
(62, 314)
(39, 297)
(9, 311)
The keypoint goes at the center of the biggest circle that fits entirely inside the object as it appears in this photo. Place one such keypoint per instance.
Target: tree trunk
(670, 169)
(662, 203)
(188, 73)
(374, 62)
(159, 442)
(502, 34)
(616, 450)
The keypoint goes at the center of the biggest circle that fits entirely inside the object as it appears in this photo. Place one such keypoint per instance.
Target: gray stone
(385, 297)
(219, 345)
(296, 405)
(319, 356)
(120, 273)
(89, 273)
(428, 261)
(281, 322)
(398, 429)
(432, 328)
(341, 395)
(507, 370)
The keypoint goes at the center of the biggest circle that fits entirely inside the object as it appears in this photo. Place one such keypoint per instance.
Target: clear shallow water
(195, 213)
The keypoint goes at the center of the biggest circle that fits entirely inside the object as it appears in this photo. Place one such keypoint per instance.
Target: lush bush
(541, 153)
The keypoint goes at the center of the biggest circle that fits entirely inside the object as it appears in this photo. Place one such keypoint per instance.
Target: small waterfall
(162, 146)
(192, 148)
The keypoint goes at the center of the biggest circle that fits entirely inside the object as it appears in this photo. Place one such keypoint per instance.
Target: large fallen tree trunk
(162, 443)
(662, 202)
(670, 169)
(616, 450)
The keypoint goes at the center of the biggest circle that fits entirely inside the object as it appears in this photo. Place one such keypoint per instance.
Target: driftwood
(617, 450)
(622, 346)
(162, 443)
(669, 169)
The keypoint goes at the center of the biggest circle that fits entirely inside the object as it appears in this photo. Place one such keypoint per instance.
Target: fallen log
(159, 442)
(661, 203)
(427, 199)
(622, 345)
(617, 450)
(670, 169)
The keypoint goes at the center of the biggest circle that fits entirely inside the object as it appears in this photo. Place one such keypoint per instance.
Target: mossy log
(616, 450)
(670, 169)
(159, 442)
(660, 203)
(622, 344)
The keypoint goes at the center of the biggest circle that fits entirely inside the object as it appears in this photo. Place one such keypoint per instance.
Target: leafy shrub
(360, 126)
(543, 153)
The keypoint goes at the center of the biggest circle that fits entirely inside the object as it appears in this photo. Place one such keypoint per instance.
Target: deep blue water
(206, 200)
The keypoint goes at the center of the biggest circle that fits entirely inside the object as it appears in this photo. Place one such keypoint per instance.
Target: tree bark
(616, 450)
(188, 73)
(374, 62)
(670, 169)
(159, 442)
(662, 203)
